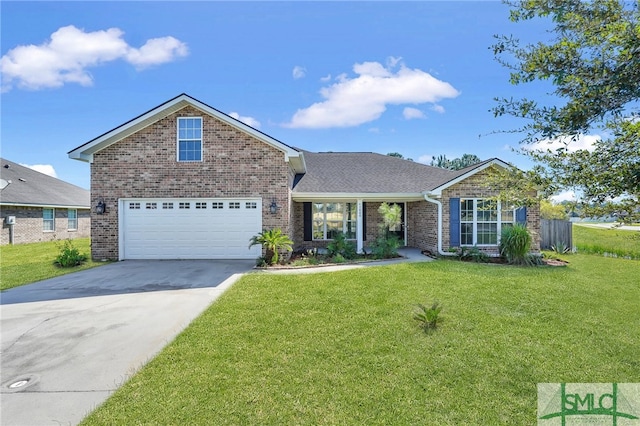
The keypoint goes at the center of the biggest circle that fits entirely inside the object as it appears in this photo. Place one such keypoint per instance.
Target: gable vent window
(189, 139)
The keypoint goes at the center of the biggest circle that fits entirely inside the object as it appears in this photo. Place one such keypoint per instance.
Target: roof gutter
(439, 204)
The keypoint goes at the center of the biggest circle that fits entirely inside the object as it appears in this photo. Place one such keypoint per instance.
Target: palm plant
(273, 241)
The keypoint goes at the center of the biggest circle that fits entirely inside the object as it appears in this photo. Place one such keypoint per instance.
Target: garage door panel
(190, 233)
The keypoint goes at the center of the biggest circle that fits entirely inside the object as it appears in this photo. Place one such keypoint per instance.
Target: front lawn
(27, 263)
(611, 242)
(342, 347)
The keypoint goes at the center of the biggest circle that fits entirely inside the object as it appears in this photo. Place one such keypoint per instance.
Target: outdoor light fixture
(101, 208)
(273, 207)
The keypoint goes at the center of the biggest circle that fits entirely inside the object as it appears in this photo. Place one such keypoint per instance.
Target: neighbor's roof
(85, 151)
(370, 174)
(26, 187)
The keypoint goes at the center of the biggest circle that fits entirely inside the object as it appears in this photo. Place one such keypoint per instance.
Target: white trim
(85, 152)
(321, 196)
(494, 162)
(359, 227)
(44, 206)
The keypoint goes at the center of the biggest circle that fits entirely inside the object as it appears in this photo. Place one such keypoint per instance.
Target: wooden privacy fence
(554, 232)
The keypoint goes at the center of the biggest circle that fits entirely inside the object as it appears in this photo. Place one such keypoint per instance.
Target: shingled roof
(367, 172)
(27, 187)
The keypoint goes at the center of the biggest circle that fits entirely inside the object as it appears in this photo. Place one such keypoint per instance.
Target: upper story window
(189, 139)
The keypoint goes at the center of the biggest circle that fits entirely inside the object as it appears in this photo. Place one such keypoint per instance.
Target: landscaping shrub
(341, 246)
(385, 247)
(515, 243)
(69, 256)
(273, 241)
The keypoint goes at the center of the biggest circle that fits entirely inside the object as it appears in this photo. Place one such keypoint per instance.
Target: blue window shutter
(521, 215)
(307, 217)
(454, 222)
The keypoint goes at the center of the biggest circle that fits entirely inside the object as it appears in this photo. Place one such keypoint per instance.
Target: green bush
(273, 241)
(472, 253)
(69, 256)
(385, 247)
(515, 244)
(341, 246)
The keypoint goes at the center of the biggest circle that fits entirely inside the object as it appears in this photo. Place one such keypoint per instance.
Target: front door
(399, 229)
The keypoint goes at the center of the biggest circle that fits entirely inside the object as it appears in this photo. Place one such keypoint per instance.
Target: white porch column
(359, 229)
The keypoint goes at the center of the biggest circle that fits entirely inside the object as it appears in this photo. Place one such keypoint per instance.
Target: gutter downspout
(439, 204)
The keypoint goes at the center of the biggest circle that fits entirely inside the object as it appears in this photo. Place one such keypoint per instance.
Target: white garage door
(200, 228)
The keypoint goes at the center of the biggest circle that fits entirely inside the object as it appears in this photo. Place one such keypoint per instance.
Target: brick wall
(475, 187)
(29, 225)
(144, 165)
(422, 225)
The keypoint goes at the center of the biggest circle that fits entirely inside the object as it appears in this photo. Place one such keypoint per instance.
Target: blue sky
(416, 78)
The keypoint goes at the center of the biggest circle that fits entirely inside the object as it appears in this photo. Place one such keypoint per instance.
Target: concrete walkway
(409, 254)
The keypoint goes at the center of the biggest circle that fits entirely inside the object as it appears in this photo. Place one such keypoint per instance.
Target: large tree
(593, 64)
(457, 163)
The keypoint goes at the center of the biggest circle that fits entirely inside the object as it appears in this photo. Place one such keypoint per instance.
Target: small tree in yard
(272, 241)
(386, 245)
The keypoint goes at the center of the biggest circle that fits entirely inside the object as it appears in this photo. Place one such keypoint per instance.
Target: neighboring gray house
(37, 207)
(186, 181)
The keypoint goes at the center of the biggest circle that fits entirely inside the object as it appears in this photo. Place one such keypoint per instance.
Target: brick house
(186, 181)
(36, 207)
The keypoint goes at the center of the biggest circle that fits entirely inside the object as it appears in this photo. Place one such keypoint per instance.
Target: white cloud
(47, 169)
(437, 108)
(157, 51)
(411, 113)
(249, 121)
(299, 72)
(325, 79)
(70, 52)
(568, 195)
(584, 142)
(354, 101)
(425, 159)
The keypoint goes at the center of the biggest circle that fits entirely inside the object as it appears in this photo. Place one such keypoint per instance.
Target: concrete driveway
(68, 342)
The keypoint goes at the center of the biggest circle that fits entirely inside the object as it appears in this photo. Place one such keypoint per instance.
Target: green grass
(342, 348)
(610, 242)
(27, 263)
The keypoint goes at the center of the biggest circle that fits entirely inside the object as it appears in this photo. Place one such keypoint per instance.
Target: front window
(331, 218)
(481, 221)
(48, 220)
(72, 217)
(189, 139)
